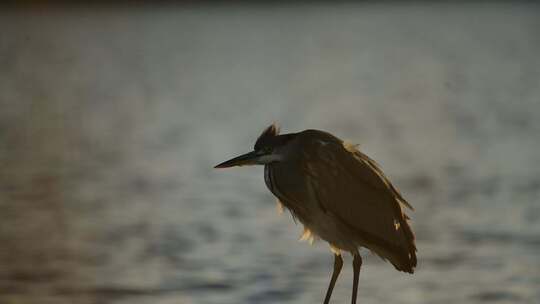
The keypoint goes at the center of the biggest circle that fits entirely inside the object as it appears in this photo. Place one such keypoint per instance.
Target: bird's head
(269, 147)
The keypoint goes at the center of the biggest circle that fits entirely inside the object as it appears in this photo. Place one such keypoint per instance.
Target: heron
(339, 194)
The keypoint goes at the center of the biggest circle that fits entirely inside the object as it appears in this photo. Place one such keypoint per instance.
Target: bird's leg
(338, 264)
(357, 262)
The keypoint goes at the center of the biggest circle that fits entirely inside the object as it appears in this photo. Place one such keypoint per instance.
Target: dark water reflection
(112, 119)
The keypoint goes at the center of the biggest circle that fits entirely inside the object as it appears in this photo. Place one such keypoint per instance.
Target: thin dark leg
(357, 262)
(338, 264)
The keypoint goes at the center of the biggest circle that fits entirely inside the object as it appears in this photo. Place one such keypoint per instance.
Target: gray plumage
(344, 198)
(338, 193)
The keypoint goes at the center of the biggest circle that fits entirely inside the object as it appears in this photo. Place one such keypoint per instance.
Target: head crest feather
(267, 135)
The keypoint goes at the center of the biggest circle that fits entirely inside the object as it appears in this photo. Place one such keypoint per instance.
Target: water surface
(113, 117)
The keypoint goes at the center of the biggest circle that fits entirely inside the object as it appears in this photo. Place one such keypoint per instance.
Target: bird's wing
(352, 187)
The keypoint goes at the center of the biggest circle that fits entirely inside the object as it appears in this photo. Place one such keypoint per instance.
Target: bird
(339, 194)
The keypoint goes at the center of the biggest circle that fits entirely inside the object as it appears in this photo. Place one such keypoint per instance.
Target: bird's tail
(406, 257)
(402, 256)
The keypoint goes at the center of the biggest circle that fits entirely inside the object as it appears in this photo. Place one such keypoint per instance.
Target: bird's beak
(242, 160)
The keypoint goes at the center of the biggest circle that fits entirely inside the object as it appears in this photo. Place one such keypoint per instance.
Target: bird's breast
(284, 183)
(267, 177)
(287, 182)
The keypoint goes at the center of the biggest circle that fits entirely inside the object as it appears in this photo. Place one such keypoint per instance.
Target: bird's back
(342, 196)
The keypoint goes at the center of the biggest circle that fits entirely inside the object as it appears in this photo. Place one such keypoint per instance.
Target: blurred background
(112, 117)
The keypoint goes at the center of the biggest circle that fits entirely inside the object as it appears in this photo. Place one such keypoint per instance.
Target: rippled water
(112, 119)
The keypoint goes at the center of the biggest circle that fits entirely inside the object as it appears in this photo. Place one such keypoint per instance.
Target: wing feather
(354, 189)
